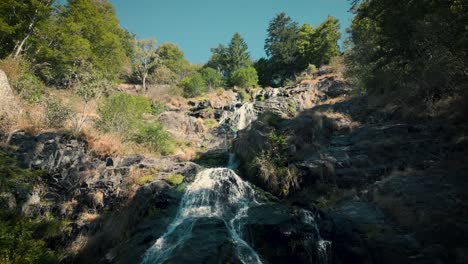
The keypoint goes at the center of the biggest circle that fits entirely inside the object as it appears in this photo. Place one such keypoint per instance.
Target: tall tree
(280, 46)
(145, 59)
(419, 46)
(82, 32)
(18, 22)
(318, 46)
(231, 58)
(238, 55)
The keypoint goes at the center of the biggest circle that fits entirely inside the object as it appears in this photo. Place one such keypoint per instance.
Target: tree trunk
(19, 48)
(145, 75)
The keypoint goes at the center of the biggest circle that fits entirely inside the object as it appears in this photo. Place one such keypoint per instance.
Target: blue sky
(198, 25)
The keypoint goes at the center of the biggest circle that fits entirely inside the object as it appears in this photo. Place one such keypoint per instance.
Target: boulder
(8, 102)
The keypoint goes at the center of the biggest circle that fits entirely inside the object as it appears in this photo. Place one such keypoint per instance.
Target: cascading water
(215, 193)
(241, 118)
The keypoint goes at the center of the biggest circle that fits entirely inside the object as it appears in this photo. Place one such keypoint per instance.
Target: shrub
(144, 179)
(122, 113)
(156, 138)
(212, 77)
(158, 107)
(194, 86)
(244, 77)
(163, 75)
(29, 87)
(56, 113)
(311, 69)
(175, 179)
(22, 79)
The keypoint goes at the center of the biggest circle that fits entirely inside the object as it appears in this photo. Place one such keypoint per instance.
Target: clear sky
(198, 25)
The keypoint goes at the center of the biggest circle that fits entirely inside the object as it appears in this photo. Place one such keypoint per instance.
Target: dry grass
(103, 145)
(88, 217)
(78, 245)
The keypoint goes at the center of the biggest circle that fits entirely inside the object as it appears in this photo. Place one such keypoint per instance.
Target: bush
(156, 138)
(175, 179)
(194, 86)
(22, 79)
(22, 240)
(311, 69)
(122, 113)
(158, 107)
(244, 77)
(163, 75)
(56, 113)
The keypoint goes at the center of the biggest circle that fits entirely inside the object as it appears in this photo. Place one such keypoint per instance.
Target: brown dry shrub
(103, 145)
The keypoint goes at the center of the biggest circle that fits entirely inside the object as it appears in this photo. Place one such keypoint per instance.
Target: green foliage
(84, 31)
(23, 240)
(144, 179)
(412, 47)
(173, 58)
(18, 20)
(29, 87)
(231, 58)
(163, 75)
(212, 77)
(311, 69)
(281, 48)
(122, 113)
(145, 58)
(244, 96)
(158, 107)
(156, 138)
(15, 178)
(175, 179)
(193, 86)
(244, 77)
(56, 113)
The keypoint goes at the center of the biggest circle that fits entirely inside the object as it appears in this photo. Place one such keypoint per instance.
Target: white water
(241, 118)
(217, 193)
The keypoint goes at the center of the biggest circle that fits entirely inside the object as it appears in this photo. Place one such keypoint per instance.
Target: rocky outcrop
(391, 188)
(181, 125)
(9, 106)
(92, 193)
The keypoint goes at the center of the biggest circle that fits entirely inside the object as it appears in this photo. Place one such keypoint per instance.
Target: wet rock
(282, 235)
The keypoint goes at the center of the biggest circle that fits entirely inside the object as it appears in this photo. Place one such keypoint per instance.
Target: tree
(230, 58)
(318, 46)
(193, 86)
(18, 22)
(146, 58)
(244, 77)
(212, 77)
(173, 58)
(82, 32)
(281, 48)
(422, 53)
(238, 55)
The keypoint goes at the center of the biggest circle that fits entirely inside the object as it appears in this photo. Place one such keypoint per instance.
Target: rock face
(8, 103)
(392, 189)
(78, 185)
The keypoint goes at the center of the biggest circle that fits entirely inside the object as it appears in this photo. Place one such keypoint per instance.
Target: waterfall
(241, 118)
(215, 193)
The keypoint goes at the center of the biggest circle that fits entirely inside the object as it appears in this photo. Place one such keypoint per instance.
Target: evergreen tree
(238, 55)
(281, 48)
(229, 59)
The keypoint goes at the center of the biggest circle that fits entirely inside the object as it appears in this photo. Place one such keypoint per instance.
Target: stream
(216, 215)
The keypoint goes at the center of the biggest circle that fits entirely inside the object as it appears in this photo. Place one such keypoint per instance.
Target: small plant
(122, 113)
(56, 113)
(244, 77)
(29, 87)
(156, 138)
(175, 179)
(158, 107)
(194, 86)
(311, 69)
(144, 179)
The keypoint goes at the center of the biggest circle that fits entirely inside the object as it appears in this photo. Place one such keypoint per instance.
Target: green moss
(145, 179)
(175, 179)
